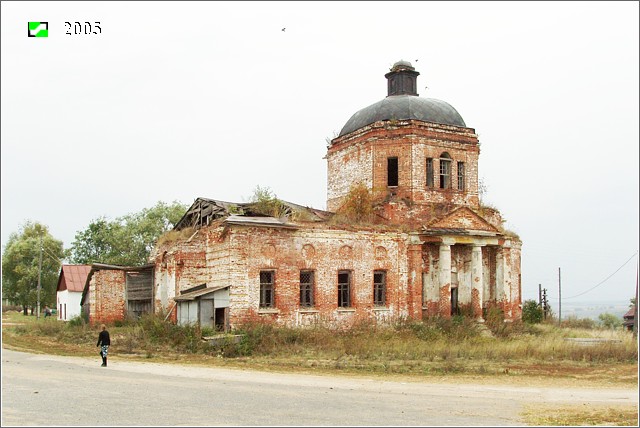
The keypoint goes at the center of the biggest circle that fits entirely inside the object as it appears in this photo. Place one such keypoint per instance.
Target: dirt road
(52, 390)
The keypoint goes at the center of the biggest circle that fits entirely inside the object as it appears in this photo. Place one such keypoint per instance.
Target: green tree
(609, 320)
(357, 205)
(265, 202)
(128, 240)
(531, 312)
(20, 266)
(101, 242)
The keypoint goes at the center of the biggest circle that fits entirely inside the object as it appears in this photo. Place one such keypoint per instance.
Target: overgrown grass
(581, 415)
(175, 235)
(430, 347)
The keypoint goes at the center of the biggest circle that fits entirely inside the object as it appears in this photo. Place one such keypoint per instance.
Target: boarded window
(445, 171)
(430, 172)
(379, 288)
(392, 172)
(344, 289)
(460, 175)
(267, 289)
(306, 288)
(139, 292)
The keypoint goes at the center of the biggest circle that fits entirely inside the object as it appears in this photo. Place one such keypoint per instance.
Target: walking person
(104, 341)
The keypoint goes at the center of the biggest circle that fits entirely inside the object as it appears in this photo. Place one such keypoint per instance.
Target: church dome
(403, 102)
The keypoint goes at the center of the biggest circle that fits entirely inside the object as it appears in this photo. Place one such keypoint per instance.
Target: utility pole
(635, 308)
(559, 298)
(39, 277)
(540, 294)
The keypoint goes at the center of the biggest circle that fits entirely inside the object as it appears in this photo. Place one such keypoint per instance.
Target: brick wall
(235, 257)
(106, 296)
(286, 252)
(362, 157)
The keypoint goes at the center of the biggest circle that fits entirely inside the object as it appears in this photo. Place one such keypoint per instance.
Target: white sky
(179, 100)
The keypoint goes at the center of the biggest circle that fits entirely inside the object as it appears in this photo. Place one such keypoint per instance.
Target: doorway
(221, 319)
(455, 310)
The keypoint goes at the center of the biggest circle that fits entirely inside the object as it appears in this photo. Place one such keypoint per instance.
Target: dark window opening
(344, 289)
(306, 288)
(392, 172)
(266, 289)
(430, 172)
(460, 175)
(379, 288)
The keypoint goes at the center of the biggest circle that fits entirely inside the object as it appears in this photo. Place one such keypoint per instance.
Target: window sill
(381, 309)
(346, 310)
(268, 311)
(308, 311)
(449, 189)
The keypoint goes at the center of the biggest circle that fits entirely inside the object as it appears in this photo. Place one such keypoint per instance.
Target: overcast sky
(178, 100)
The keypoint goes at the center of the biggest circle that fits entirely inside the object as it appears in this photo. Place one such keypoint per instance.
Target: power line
(604, 280)
(52, 255)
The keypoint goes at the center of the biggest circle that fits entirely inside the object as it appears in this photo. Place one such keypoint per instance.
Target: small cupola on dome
(403, 103)
(402, 79)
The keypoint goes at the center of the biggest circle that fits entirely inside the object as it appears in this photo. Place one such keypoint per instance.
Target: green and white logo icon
(38, 29)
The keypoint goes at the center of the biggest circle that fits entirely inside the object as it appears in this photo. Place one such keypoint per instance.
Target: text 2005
(83, 28)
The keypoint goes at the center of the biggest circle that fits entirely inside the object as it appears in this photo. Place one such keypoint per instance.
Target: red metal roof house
(628, 318)
(69, 290)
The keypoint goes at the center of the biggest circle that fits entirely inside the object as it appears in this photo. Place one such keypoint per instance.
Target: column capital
(448, 241)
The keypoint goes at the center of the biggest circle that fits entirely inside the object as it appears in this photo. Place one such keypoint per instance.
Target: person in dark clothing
(104, 341)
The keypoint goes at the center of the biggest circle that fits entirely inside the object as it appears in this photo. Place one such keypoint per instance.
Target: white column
(444, 274)
(501, 291)
(477, 286)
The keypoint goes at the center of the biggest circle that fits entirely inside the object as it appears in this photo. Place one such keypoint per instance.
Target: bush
(357, 205)
(76, 321)
(609, 320)
(532, 312)
(575, 322)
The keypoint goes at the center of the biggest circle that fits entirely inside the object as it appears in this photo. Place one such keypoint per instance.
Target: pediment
(463, 218)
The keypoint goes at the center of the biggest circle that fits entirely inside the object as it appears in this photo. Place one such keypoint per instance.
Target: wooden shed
(205, 306)
(114, 293)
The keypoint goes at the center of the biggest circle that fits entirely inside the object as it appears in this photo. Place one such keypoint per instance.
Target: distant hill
(590, 309)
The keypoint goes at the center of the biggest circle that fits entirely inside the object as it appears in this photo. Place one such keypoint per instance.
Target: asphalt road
(44, 390)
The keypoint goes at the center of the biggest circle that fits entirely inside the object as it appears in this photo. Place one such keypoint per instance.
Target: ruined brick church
(426, 247)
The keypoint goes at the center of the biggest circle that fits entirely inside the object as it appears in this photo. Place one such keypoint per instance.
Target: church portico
(466, 275)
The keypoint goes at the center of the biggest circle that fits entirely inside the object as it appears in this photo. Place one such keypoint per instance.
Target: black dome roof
(402, 107)
(403, 103)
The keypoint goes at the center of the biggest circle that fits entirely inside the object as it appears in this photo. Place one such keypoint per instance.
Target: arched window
(445, 171)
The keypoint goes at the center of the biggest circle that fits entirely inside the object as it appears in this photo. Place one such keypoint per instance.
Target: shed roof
(197, 293)
(73, 277)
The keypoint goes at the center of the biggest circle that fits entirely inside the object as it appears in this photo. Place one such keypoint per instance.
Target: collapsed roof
(203, 211)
